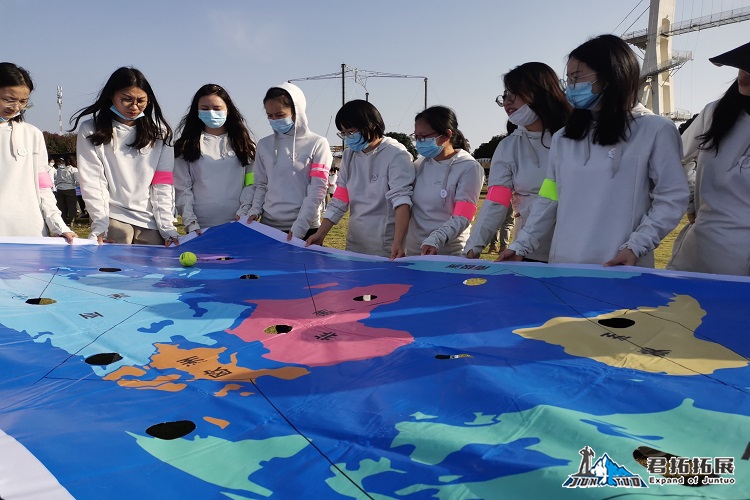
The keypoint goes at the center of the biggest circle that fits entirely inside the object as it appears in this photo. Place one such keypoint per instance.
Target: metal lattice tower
(660, 61)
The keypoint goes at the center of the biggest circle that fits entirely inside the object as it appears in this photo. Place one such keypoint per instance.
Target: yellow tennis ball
(188, 259)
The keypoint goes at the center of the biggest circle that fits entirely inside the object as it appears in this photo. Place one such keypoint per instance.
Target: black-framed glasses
(344, 134)
(21, 104)
(506, 96)
(564, 82)
(128, 102)
(415, 137)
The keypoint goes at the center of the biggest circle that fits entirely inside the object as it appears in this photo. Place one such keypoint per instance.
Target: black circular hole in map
(366, 298)
(40, 301)
(103, 358)
(276, 329)
(109, 269)
(249, 277)
(616, 322)
(171, 430)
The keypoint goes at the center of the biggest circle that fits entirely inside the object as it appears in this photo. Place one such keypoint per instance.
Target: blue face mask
(356, 142)
(282, 125)
(114, 110)
(429, 148)
(212, 118)
(581, 95)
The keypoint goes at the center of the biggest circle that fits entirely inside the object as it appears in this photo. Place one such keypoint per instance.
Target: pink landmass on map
(327, 328)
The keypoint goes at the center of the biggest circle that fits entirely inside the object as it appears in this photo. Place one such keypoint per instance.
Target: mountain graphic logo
(603, 472)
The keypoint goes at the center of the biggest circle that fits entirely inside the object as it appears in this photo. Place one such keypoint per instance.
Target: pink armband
(499, 194)
(342, 194)
(161, 177)
(45, 181)
(465, 209)
(319, 170)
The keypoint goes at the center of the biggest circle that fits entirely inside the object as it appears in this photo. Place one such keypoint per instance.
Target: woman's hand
(429, 250)
(624, 257)
(509, 255)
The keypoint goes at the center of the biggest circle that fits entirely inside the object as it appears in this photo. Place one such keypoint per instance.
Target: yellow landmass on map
(651, 339)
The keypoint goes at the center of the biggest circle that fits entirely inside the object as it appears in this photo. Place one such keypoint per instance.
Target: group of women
(590, 175)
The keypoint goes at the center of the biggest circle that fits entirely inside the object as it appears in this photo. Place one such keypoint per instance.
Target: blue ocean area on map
(269, 370)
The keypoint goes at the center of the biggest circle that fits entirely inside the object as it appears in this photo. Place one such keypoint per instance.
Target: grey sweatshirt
(291, 174)
(371, 186)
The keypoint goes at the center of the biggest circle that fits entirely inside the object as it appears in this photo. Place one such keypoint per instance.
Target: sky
(463, 47)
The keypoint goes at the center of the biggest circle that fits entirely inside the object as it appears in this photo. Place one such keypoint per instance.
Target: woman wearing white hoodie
(374, 185)
(615, 184)
(536, 108)
(447, 186)
(126, 163)
(213, 166)
(718, 238)
(291, 167)
(27, 203)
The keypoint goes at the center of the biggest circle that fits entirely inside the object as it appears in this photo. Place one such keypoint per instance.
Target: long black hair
(188, 145)
(725, 115)
(618, 73)
(363, 116)
(441, 120)
(15, 76)
(149, 129)
(538, 85)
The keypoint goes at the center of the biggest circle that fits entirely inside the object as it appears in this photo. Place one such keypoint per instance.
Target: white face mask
(523, 116)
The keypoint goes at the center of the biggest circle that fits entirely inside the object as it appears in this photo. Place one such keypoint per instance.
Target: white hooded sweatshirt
(444, 202)
(719, 240)
(607, 198)
(215, 188)
(134, 186)
(518, 168)
(291, 174)
(371, 186)
(27, 203)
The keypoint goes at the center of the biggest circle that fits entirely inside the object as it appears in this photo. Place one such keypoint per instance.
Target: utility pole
(59, 107)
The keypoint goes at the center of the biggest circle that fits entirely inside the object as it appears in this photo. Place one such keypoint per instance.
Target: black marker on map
(452, 356)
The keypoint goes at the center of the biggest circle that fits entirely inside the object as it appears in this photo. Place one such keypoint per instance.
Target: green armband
(548, 189)
(249, 178)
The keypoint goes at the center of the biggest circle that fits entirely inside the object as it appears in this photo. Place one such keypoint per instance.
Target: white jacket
(444, 202)
(215, 188)
(291, 174)
(719, 240)
(519, 165)
(602, 199)
(27, 203)
(129, 185)
(371, 186)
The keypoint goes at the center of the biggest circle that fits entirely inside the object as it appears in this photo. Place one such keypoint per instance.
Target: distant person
(615, 184)
(27, 203)
(375, 185)
(333, 176)
(125, 163)
(717, 240)
(65, 182)
(536, 108)
(291, 167)
(213, 170)
(52, 171)
(447, 186)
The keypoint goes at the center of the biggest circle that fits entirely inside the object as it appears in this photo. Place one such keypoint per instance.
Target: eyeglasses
(564, 82)
(415, 137)
(141, 102)
(505, 96)
(21, 104)
(344, 134)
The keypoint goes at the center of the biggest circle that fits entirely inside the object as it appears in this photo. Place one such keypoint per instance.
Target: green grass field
(337, 237)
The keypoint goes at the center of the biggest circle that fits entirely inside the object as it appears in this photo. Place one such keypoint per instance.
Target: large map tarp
(268, 370)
